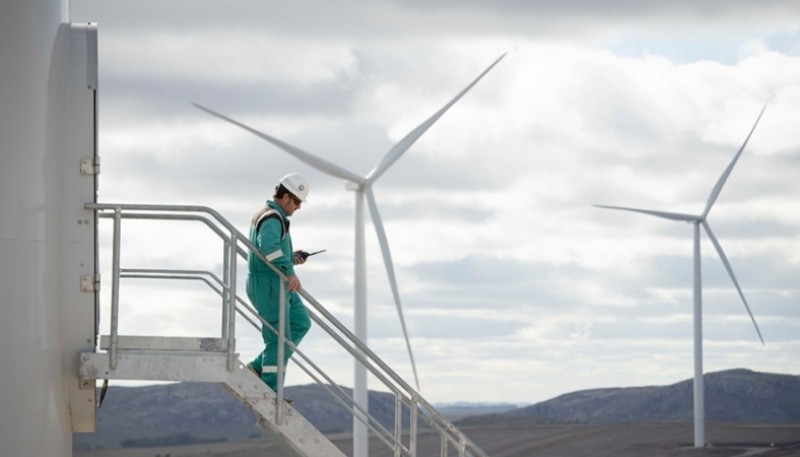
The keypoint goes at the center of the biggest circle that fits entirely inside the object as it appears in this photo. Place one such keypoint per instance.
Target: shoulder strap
(270, 213)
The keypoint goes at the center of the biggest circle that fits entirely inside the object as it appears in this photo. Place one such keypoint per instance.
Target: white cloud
(234, 56)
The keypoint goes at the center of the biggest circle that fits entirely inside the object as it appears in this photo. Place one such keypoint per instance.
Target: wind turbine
(697, 221)
(362, 185)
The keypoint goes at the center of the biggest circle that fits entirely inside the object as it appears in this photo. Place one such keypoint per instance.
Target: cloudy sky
(515, 287)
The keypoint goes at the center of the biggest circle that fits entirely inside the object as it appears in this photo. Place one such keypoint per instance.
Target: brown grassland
(654, 440)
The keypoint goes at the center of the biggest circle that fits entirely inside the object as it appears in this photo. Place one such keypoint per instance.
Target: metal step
(287, 427)
(163, 343)
(284, 425)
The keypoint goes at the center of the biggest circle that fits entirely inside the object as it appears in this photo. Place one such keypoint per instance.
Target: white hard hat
(296, 184)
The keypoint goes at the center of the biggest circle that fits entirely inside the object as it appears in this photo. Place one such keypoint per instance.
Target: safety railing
(409, 404)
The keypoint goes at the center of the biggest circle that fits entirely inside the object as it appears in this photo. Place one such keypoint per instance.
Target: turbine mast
(699, 387)
(360, 396)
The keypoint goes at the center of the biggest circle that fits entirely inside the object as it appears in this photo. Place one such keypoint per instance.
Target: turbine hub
(354, 186)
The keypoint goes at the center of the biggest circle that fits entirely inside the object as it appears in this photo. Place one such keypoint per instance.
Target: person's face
(289, 203)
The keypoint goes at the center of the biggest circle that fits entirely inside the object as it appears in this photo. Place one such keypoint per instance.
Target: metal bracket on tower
(90, 166)
(90, 283)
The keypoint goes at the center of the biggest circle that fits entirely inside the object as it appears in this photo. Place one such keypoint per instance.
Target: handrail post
(398, 424)
(443, 451)
(281, 349)
(226, 261)
(115, 269)
(412, 445)
(231, 310)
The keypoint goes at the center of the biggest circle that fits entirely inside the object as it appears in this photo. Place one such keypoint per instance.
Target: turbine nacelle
(353, 186)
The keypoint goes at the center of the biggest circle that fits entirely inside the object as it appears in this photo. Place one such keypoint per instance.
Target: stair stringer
(294, 433)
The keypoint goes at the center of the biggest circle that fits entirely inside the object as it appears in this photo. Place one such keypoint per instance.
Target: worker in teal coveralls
(269, 232)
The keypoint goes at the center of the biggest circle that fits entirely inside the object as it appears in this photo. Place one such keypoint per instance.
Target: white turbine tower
(362, 185)
(697, 221)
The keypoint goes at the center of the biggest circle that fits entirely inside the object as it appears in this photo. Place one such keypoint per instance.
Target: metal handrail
(339, 395)
(193, 275)
(405, 394)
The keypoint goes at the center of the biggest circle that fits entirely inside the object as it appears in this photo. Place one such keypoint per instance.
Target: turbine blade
(721, 182)
(664, 214)
(402, 146)
(310, 159)
(387, 260)
(733, 277)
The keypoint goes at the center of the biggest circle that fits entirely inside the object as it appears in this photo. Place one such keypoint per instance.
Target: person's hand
(300, 257)
(294, 283)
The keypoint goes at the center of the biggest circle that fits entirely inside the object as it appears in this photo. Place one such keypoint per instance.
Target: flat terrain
(661, 440)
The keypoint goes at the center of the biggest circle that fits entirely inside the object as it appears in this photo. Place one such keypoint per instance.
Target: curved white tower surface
(47, 260)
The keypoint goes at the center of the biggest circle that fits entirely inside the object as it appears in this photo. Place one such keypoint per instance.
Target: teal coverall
(263, 289)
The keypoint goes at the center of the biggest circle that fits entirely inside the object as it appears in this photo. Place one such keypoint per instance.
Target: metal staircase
(205, 360)
(213, 359)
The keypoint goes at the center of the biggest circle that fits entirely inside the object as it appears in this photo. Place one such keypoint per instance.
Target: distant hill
(456, 411)
(730, 396)
(185, 413)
